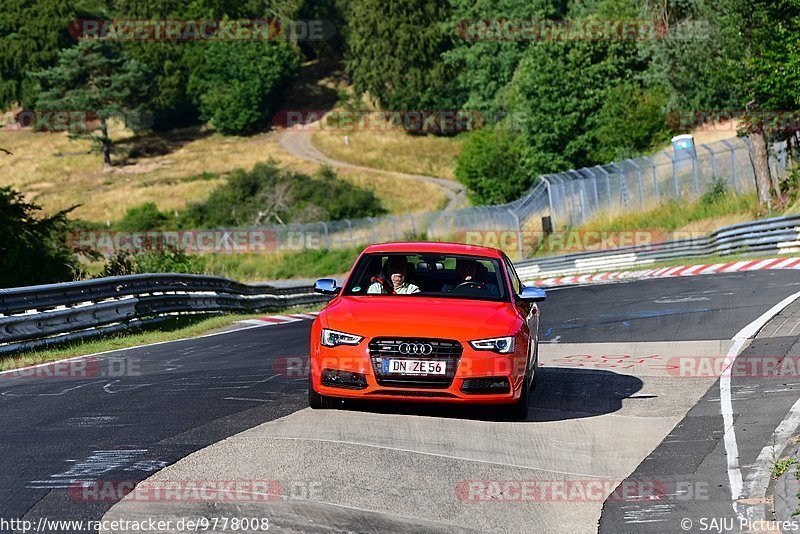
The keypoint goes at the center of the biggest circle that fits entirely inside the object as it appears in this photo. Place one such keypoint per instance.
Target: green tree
(558, 89)
(238, 85)
(769, 77)
(631, 120)
(31, 34)
(96, 77)
(486, 66)
(33, 250)
(394, 52)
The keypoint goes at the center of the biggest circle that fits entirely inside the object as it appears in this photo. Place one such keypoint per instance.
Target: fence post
(608, 184)
(594, 187)
(639, 177)
(655, 175)
(563, 192)
(553, 217)
(674, 176)
(519, 231)
(734, 177)
(623, 183)
(713, 160)
(327, 236)
(694, 174)
(413, 226)
(350, 230)
(572, 201)
(372, 226)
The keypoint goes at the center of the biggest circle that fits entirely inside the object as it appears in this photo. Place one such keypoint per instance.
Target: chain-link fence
(569, 198)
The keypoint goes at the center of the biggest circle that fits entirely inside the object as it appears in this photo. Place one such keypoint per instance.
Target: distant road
(298, 143)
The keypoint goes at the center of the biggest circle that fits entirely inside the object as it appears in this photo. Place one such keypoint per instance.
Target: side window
(512, 275)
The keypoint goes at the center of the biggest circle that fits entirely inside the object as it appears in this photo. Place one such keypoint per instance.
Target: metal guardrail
(44, 315)
(34, 316)
(779, 234)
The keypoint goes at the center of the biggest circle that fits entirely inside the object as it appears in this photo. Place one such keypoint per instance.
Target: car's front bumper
(472, 364)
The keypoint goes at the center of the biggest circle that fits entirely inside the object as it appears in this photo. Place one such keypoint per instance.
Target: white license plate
(413, 367)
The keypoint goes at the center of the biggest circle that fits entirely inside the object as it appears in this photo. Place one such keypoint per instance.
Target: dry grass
(57, 172)
(393, 151)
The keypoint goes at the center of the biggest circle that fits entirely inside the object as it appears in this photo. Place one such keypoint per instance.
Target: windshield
(451, 276)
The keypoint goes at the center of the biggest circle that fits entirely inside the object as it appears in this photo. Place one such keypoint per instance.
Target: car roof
(428, 247)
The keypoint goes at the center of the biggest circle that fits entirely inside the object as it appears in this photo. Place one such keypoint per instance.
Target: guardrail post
(733, 164)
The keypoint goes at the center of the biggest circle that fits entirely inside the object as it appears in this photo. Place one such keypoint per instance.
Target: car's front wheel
(519, 410)
(317, 401)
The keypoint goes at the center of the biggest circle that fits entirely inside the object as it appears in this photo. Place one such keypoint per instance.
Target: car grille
(444, 350)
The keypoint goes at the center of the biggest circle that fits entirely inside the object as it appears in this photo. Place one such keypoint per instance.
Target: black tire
(519, 410)
(317, 401)
(535, 368)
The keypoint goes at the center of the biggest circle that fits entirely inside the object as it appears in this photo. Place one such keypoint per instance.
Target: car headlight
(332, 338)
(503, 345)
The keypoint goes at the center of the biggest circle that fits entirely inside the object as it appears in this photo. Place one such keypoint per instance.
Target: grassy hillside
(166, 169)
(392, 151)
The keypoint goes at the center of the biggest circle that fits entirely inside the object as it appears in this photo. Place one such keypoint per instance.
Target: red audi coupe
(431, 322)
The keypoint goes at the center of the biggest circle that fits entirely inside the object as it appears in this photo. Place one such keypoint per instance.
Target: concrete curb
(670, 272)
(786, 498)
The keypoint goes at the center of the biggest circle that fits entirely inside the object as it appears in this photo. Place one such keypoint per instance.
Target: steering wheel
(468, 285)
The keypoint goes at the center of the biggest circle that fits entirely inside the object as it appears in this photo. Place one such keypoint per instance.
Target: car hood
(406, 316)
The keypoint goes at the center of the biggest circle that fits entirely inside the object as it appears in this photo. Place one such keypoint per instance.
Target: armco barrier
(35, 316)
(42, 315)
(780, 235)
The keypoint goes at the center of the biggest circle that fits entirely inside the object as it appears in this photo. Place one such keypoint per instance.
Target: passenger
(468, 272)
(397, 267)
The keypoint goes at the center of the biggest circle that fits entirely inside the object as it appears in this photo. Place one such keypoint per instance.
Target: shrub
(491, 165)
(162, 261)
(33, 250)
(142, 218)
(237, 84)
(268, 195)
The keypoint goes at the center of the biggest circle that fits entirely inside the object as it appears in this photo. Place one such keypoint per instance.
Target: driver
(468, 272)
(397, 269)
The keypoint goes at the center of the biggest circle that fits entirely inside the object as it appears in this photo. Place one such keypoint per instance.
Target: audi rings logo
(422, 349)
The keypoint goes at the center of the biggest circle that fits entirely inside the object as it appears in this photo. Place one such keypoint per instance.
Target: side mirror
(532, 294)
(326, 286)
